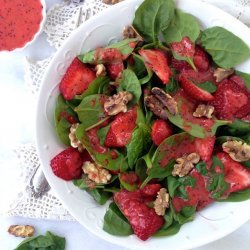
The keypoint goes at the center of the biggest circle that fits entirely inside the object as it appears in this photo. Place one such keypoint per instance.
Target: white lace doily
(62, 19)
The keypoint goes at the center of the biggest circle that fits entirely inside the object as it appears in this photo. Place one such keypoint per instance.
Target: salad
(158, 124)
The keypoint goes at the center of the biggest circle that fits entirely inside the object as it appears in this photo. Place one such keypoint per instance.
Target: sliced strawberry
(193, 90)
(115, 69)
(151, 190)
(235, 174)
(160, 131)
(76, 79)
(67, 164)
(204, 147)
(157, 61)
(198, 196)
(184, 48)
(129, 177)
(144, 221)
(238, 80)
(180, 65)
(120, 131)
(201, 60)
(230, 101)
(108, 55)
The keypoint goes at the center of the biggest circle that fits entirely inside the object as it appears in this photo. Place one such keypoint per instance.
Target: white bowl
(210, 224)
(39, 31)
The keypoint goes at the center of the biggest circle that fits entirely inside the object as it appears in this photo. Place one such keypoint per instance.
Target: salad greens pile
(163, 31)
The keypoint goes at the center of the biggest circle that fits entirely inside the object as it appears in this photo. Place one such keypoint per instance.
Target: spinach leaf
(226, 49)
(115, 222)
(208, 86)
(143, 72)
(237, 128)
(48, 241)
(171, 230)
(102, 133)
(173, 184)
(216, 183)
(182, 25)
(95, 56)
(91, 111)
(202, 168)
(129, 82)
(238, 196)
(99, 195)
(245, 77)
(140, 143)
(106, 158)
(95, 87)
(152, 17)
(172, 86)
(63, 113)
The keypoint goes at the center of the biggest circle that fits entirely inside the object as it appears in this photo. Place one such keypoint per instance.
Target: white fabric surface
(18, 109)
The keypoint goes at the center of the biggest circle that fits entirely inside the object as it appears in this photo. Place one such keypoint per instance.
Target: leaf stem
(97, 124)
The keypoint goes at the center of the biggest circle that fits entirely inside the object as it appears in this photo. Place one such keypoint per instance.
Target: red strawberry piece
(184, 48)
(76, 79)
(198, 196)
(238, 80)
(108, 55)
(201, 60)
(200, 76)
(67, 164)
(157, 61)
(204, 147)
(115, 69)
(144, 221)
(193, 90)
(230, 101)
(235, 174)
(151, 190)
(120, 131)
(180, 65)
(129, 177)
(160, 131)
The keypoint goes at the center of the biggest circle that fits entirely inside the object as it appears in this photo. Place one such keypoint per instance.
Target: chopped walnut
(111, 1)
(100, 70)
(161, 202)
(118, 103)
(166, 99)
(204, 111)
(21, 230)
(237, 150)
(185, 164)
(74, 142)
(221, 74)
(130, 32)
(96, 173)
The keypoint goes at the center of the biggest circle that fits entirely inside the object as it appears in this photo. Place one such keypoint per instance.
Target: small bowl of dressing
(20, 23)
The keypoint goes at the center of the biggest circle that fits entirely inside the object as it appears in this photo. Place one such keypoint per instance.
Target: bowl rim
(209, 239)
(39, 31)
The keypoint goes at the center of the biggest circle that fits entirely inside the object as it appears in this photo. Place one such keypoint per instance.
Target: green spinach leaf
(152, 17)
(172, 86)
(129, 82)
(139, 144)
(48, 241)
(63, 113)
(102, 133)
(182, 25)
(202, 168)
(91, 111)
(208, 86)
(238, 196)
(95, 87)
(226, 49)
(115, 222)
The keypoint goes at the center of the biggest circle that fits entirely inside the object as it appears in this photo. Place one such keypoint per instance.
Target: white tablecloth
(17, 126)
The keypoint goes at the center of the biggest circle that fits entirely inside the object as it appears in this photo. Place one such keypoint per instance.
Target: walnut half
(237, 150)
(204, 111)
(21, 230)
(161, 202)
(221, 74)
(95, 173)
(185, 164)
(118, 103)
(74, 142)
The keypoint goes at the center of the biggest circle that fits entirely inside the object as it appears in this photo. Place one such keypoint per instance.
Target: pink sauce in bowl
(20, 21)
